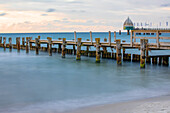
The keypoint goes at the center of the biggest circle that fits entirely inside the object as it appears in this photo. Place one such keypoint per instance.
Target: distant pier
(101, 47)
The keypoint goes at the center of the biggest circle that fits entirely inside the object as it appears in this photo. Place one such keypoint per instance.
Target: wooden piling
(124, 55)
(37, 46)
(30, 44)
(49, 46)
(114, 36)
(87, 49)
(154, 60)
(142, 53)
(118, 52)
(23, 41)
(119, 32)
(160, 61)
(59, 48)
(0, 40)
(10, 44)
(63, 48)
(165, 61)
(128, 32)
(27, 42)
(97, 50)
(78, 55)
(18, 43)
(75, 36)
(4, 43)
(91, 37)
(109, 38)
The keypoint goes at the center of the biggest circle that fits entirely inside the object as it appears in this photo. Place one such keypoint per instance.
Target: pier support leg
(27, 42)
(142, 53)
(4, 43)
(160, 61)
(39, 45)
(30, 38)
(118, 52)
(49, 46)
(59, 48)
(18, 44)
(128, 32)
(23, 42)
(36, 46)
(0, 40)
(74, 49)
(97, 50)
(165, 61)
(78, 55)
(10, 44)
(64, 48)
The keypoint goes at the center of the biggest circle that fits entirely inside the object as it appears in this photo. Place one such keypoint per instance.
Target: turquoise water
(32, 83)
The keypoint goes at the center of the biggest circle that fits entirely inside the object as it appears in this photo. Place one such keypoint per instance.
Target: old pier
(101, 47)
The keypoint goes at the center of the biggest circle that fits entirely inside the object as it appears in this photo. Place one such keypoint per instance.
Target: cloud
(51, 10)
(3, 14)
(165, 5)
(44, 14)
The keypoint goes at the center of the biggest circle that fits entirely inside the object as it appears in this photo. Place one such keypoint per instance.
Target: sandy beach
(151, 105)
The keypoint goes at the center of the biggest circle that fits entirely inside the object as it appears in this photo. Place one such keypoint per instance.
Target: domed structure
(128, 24)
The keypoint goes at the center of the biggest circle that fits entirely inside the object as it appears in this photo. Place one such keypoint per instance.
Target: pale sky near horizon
(79, 15)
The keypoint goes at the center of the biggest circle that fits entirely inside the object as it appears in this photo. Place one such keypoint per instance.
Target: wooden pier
(101, 47)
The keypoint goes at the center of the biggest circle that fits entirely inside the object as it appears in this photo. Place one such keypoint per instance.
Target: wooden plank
(164, 37)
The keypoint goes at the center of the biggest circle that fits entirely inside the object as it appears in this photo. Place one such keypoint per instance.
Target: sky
(79, 15)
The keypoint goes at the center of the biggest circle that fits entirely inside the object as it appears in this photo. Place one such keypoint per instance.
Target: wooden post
(50, 46)
(114, 36)
(78, 56)
(23, 42)
(30, 44)
(160, 61)
(154, 60)
(0, 40)
(75, 36)
(64, 48)
(97, 50)
(4, 43)
(157, 38)
(109, 38)
(27, 42)
(59, 48)
(142, 53)
(39, 44)
(87, 49)
(134, 37)
(36, 46)
(118, 52)
(165, 61)
(91, 37)
(119, 32)
(127, 32)
(18, 43)
(10, 44)
(131, 39)
(124, 55)
(74, 49)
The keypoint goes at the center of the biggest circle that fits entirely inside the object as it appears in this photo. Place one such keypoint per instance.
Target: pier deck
(143, 46)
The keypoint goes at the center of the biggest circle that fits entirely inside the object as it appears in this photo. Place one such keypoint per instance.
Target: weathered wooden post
(165, 61)
(160, 60)
(27, 42)
(64, 48)
(154, 60)
(119, 32)
(142, 53)
(75, 36)
(97, 50)
(39, 44)
(23, 41)
(18, 43)
(87, 49)
(36, 46)
(0, 40)
(114, 36)
(124, 55)
(157, 39)
(109, 38)
(4, 43)
(78, 56)
(10, 44)
(131, 39)
(128, 32)
(118, 52)
(91, 39)
(30, 44)
(74, 49)
(50, 46)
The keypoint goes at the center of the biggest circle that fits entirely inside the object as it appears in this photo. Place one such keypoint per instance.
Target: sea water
(31, 83)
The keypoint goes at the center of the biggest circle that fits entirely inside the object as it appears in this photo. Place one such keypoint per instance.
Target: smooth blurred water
(32, 83)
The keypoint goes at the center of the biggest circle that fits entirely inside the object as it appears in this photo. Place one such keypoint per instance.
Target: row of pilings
(119, 55)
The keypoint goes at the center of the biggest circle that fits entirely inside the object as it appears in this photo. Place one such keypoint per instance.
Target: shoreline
(159, 104)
